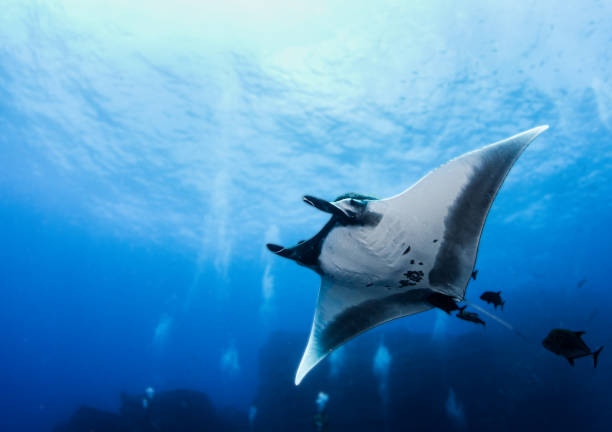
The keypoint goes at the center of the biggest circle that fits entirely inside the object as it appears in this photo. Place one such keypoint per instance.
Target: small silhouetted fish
(593, 315)
(469, 316)
(582, 282)
(444, 302)
(570, 345)
(474, 274)
(493, 297)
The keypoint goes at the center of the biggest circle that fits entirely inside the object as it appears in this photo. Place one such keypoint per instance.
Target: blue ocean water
(150, 150)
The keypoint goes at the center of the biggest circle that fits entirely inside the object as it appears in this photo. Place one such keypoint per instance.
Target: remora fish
(493, 297)
(570, 345)
(469, 316)
(381, 259)
(444, 302)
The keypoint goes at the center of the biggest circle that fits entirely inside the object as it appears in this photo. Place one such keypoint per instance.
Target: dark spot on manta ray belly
(412, 278)
(365, 315)
(406, 251)
(411, 261)
(415, 276)
(464, 221)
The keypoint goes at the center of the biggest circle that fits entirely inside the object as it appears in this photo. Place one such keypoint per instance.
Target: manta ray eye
(357, 203)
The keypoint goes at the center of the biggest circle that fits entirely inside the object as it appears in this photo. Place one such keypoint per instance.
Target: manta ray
(381, 259)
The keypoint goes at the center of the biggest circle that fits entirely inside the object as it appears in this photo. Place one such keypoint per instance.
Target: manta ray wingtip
(532, 133)
(539, 129)
(312, 356)
(301, 373)
(519, 141)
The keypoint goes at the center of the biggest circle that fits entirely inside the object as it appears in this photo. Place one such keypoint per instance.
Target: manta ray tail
(496, 318)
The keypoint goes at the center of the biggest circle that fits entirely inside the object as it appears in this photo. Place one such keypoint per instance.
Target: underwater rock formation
(476, 381)
(177, 410)
(87, 419)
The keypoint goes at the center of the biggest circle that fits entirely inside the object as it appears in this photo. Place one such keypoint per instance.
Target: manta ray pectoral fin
(344, 312)
(452, 202)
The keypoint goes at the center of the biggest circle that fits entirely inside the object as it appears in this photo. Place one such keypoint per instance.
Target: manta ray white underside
(380, 259)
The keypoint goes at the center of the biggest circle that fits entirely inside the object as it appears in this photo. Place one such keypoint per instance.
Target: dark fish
(593, 315)
(474, 274)
(582, 282)
(570, 345)
(444, 302)
(493, 297)
(469, 316)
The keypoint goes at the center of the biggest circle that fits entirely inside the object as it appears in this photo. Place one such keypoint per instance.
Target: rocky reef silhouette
(478, 381)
